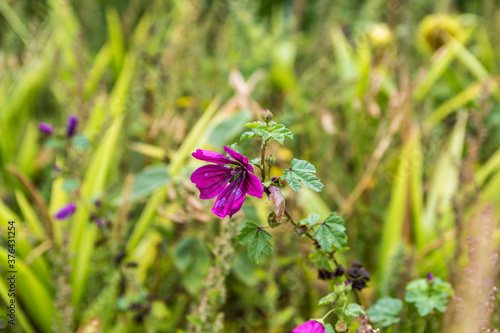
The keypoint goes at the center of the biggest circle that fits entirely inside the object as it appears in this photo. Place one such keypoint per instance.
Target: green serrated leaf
(354, 310)
(249, 135)
(322, 261)
(302, 172)
(259, 129)
(328, 299)
(279, 132)
(255, 124)
(310, 220)
(331, 233)
(428, 296)
(234, 147)
(385, 312)
(257, 240)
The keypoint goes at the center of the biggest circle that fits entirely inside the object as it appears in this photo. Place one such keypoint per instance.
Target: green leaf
(322, 261)
(302, 172)
(255, 161)
(192, 259)
(331, 233)
(54, 143)
(310, 220)
(234, 147)
(428, 296)
(255, 133)
(354, 310)
(255, 124)
(328, 299)
(81, 143)
(257, 240)
(385, 311)
(146, 182)
(279, 132)
(329, 328)
(229, 129)
(272, 130)
(70, 184)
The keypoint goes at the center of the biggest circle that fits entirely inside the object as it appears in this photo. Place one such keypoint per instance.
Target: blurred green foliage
(396, 104)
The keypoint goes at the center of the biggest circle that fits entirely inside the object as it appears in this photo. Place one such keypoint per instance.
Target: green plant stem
(262, 161)
(322, 319)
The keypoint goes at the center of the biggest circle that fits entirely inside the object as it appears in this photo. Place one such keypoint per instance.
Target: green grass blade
(472, 92)
(21, 317)
(33, 294)
(30, 216)
(115, 37)
(15, 21)
(193, 137)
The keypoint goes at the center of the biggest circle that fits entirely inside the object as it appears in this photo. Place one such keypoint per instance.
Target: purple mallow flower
(45, 128)
(65, 212)
(71, 126)
(211, 180)
(311, 326)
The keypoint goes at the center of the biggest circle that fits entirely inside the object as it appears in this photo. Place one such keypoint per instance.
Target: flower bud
(71, 126)
(301, 229)
(45, 128)
(341, 326)
(99, 222)
(65, 211)
(430, 277)
(267, 116)
(271, 160)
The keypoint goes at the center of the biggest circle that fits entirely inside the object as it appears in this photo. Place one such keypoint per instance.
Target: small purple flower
(45, 128)
(98, 203)
(430, 277)
(99, 222)
(65, 212)
(311, 326)
(71, 126)
(211, 180)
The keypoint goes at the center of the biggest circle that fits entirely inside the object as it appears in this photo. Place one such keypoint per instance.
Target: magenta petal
(212, 157)
(211, 179)
(230, 198)
(310, 326)
(238, 157)
(254, 186)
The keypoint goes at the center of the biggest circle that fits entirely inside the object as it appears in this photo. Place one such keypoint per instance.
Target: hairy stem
(262, 160)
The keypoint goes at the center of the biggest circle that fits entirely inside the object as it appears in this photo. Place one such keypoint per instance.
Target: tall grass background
(395, 102)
